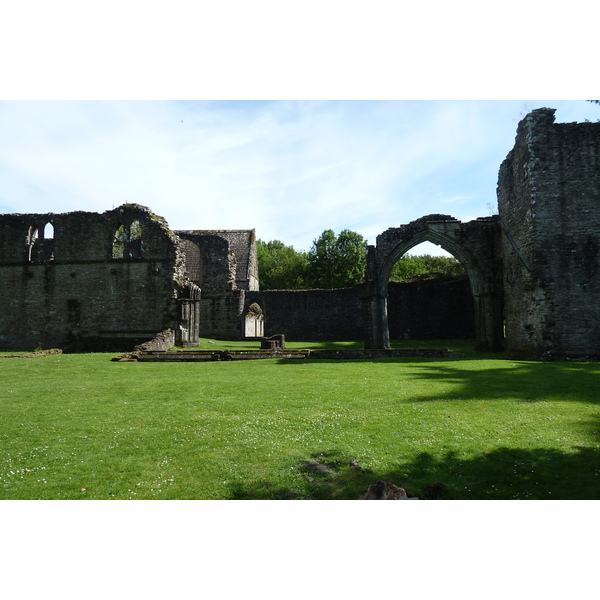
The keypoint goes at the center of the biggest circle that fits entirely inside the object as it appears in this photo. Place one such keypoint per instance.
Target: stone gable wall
(213, 264)
(227, 252)
(243, 244)
(80, 297)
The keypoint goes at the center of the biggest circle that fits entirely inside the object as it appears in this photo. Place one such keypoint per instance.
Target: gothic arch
(127, 240)
(468, 261)
(254, 321)
(474, 244)
(40, 242)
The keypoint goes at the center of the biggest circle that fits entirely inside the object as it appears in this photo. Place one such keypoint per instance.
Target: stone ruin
(86, 281)
(274, 342)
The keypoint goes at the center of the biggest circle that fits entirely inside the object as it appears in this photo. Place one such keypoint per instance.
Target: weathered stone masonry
(422, 309)
(549, 206)
(224, 265)
(88, 281)
(535, 267)
(475, 244)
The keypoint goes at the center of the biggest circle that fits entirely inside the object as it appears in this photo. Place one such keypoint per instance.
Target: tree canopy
(335, 261)
(332, 261)
(409, 266)
(281, 267)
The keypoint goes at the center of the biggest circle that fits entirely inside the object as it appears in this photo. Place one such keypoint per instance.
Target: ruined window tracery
(40, 243)
(31, 243)
(127, 241)
(119, 242)
(135, 231)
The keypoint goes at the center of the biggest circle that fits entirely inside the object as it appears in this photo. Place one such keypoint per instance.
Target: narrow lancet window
(32, 244)
(119, 242)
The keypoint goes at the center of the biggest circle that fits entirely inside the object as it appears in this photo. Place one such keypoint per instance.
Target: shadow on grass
(526, 381)
(467, 380)
(503, 474)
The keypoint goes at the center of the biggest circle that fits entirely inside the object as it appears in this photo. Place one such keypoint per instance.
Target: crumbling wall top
(79, 236)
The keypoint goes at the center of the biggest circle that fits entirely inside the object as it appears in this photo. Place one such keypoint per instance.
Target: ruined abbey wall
(110, 281)
(101, 281)
(549, 207)
(223, 263)
(304, 315)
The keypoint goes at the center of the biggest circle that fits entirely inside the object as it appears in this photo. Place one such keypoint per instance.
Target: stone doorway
(254, 324)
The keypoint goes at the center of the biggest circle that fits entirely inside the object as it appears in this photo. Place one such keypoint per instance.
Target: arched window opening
(133, 244)
(32, 244)
(46, 252)
(119, 242)
(127, 242)
(255, 322)
(135, 231)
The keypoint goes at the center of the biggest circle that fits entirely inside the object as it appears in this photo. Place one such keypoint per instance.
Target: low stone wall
(435, 308)
(141, 355)
(161, 343)
(429, 309)
(306, 315)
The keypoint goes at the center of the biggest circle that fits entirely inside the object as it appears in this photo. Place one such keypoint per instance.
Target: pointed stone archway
(475, 244)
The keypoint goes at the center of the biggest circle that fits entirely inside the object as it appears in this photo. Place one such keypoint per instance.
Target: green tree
(409, 266)
(335, 262)
(281, 267)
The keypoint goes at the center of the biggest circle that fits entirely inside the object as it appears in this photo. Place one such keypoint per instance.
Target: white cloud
(287, 169)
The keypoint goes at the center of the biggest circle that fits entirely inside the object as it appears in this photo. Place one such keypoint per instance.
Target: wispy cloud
(287, 169)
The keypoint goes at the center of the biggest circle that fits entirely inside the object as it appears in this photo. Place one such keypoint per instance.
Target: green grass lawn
(467, 346)
(83, 427)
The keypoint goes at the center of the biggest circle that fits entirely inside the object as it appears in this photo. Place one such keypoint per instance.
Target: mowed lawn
(83, 427)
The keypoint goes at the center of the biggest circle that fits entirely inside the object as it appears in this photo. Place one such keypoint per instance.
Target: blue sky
(288, 169)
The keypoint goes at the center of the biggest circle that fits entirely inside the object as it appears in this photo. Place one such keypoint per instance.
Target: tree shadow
(525, 381)
(502, 474)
